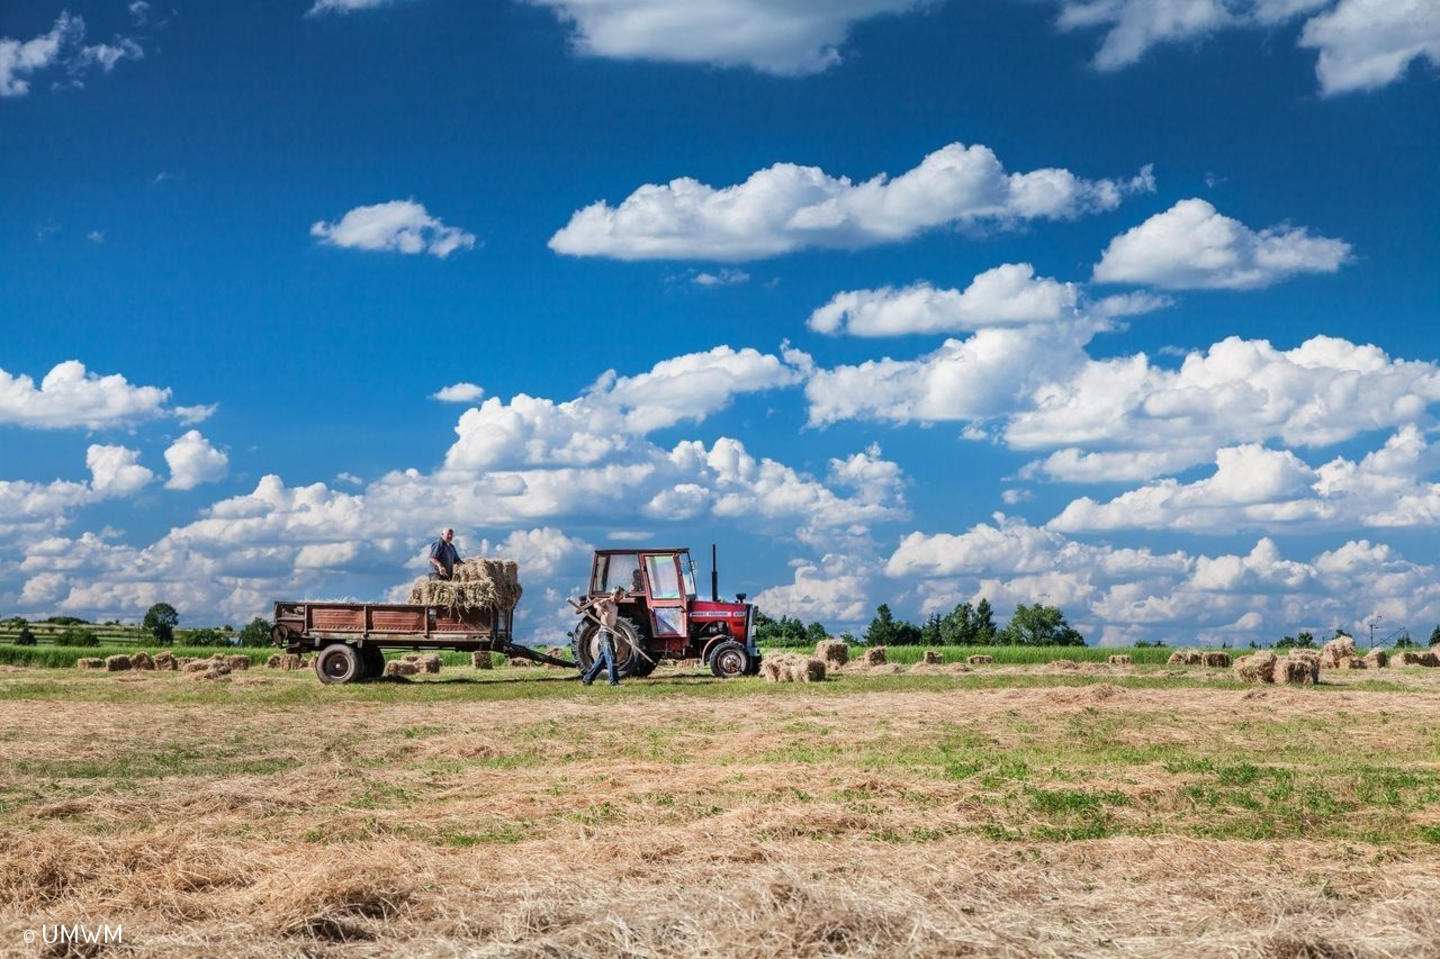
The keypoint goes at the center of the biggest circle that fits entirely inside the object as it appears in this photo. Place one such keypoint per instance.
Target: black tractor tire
(339, 663)
(729, 660)
(373, 658)
(628, 640)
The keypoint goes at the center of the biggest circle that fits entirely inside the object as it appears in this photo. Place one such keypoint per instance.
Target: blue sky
(833, 288)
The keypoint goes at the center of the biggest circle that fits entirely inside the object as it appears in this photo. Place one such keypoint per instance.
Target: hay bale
(1376, 659)
(116, 664)
(90, 662)
(1177, 658)
(980, 660)
(480, 659)
(238, 662)
(182, 661)
(792, 668)
(165, 660)
(401, 667)
(294, 661)
(1410, 657)
(477, 584)
(875, 656)
(520, 662)
(1298, 671)
(275, 661)
(1119, 659)
(196, 665)
(430, 663)
(1257, 668)
(835, 652)
(1341, 647)
(141, 660)
(933, 657)
(1215, 660)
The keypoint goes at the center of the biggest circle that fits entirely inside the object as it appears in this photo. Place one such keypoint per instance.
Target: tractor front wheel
(729, 660)
(339, 663)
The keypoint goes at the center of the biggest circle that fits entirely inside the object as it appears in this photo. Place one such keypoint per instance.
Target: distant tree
(849, 638)
(256, 634)
(1340, 632)
(1039, 625)
(70, 636)
(931, 633)
(1286, 642)
(1146, 644)
(66, 621)
(160, 621)
(26, 638)
(886, 630)
(18, 621)
(1403, 641)
(816, 632)
(1304, 640)
(205, 637)
(1435, 636)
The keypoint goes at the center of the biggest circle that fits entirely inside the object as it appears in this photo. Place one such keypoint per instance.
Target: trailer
(348, 639)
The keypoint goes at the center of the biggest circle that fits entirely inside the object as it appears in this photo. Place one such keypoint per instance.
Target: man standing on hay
(444, 555)
(606, 610)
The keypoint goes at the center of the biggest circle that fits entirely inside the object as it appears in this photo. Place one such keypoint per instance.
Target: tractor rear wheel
(629, 640)
(729, 660)
(339, 663)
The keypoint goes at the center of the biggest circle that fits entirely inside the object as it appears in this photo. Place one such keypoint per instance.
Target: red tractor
(661, 617)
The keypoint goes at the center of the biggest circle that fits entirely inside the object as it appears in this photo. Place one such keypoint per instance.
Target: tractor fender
(710, 645)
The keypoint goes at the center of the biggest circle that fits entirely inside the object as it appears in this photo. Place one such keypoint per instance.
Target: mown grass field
(1014, 810)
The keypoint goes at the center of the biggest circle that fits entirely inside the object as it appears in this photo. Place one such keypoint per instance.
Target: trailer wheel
(339, 663)
(373, 659)
(628, 638)
(729, 660)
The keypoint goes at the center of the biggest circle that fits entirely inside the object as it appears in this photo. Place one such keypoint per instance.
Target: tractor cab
(662, 609)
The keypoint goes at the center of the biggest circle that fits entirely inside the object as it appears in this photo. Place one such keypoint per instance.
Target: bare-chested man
(606, 608)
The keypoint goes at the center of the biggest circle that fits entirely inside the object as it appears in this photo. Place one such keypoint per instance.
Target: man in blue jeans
(606, 609)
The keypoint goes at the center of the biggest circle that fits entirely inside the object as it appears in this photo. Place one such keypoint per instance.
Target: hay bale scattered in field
(294, 661)
(1119, 660)
(933, 657)
(1376, 659)
(1339, 648)
(182, 661)
(165, 659)
(1103, 691)
(116, 664)
(90, 662)
(1298, 671)
(430, 663)
(401, 667)
(481, 660)
(1410, 657)
(208, 669)
(1186, 657)
(835, 652)
(196, 665)
(140, 659)
(477, 584)
(274, 662)
(238, 662)
(958, 668)
(980, 660)
(520, 662)
(1215, 660)
(1257, 668)
(875, 656)
(792, 668)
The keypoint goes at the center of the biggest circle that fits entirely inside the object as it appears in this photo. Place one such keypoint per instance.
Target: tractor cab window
(664, 579)
(617, 569)
(687, 570)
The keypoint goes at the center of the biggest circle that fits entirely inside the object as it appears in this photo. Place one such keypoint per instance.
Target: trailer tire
(373, 659)
(729, 660)
(339, 663)
(628, 638)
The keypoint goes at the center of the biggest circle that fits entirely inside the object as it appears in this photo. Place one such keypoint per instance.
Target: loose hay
(835, 652)
(980, 660)
(1259, 668)
(873, 657)
(90, 662)
(933, 657)
(116, 664)
(477, 584)
(401, 667)
(1215, 660)
(1119, 660)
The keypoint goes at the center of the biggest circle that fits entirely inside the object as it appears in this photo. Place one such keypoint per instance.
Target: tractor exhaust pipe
(714, 577)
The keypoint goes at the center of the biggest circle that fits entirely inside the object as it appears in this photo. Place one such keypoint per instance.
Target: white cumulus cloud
(63, 48)
(785, 37)
(70, 396)
(1193, 246)
(401, 226)
(459, 393)
(116, 470)
(787, 207)
(1366, 44)
(193, 460)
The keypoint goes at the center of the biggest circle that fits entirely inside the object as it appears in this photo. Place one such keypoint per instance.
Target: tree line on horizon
(965, 625)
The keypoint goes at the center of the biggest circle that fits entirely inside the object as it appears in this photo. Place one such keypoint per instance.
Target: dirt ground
(917, 816)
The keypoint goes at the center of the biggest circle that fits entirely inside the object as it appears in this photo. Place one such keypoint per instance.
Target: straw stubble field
(1144, 812)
